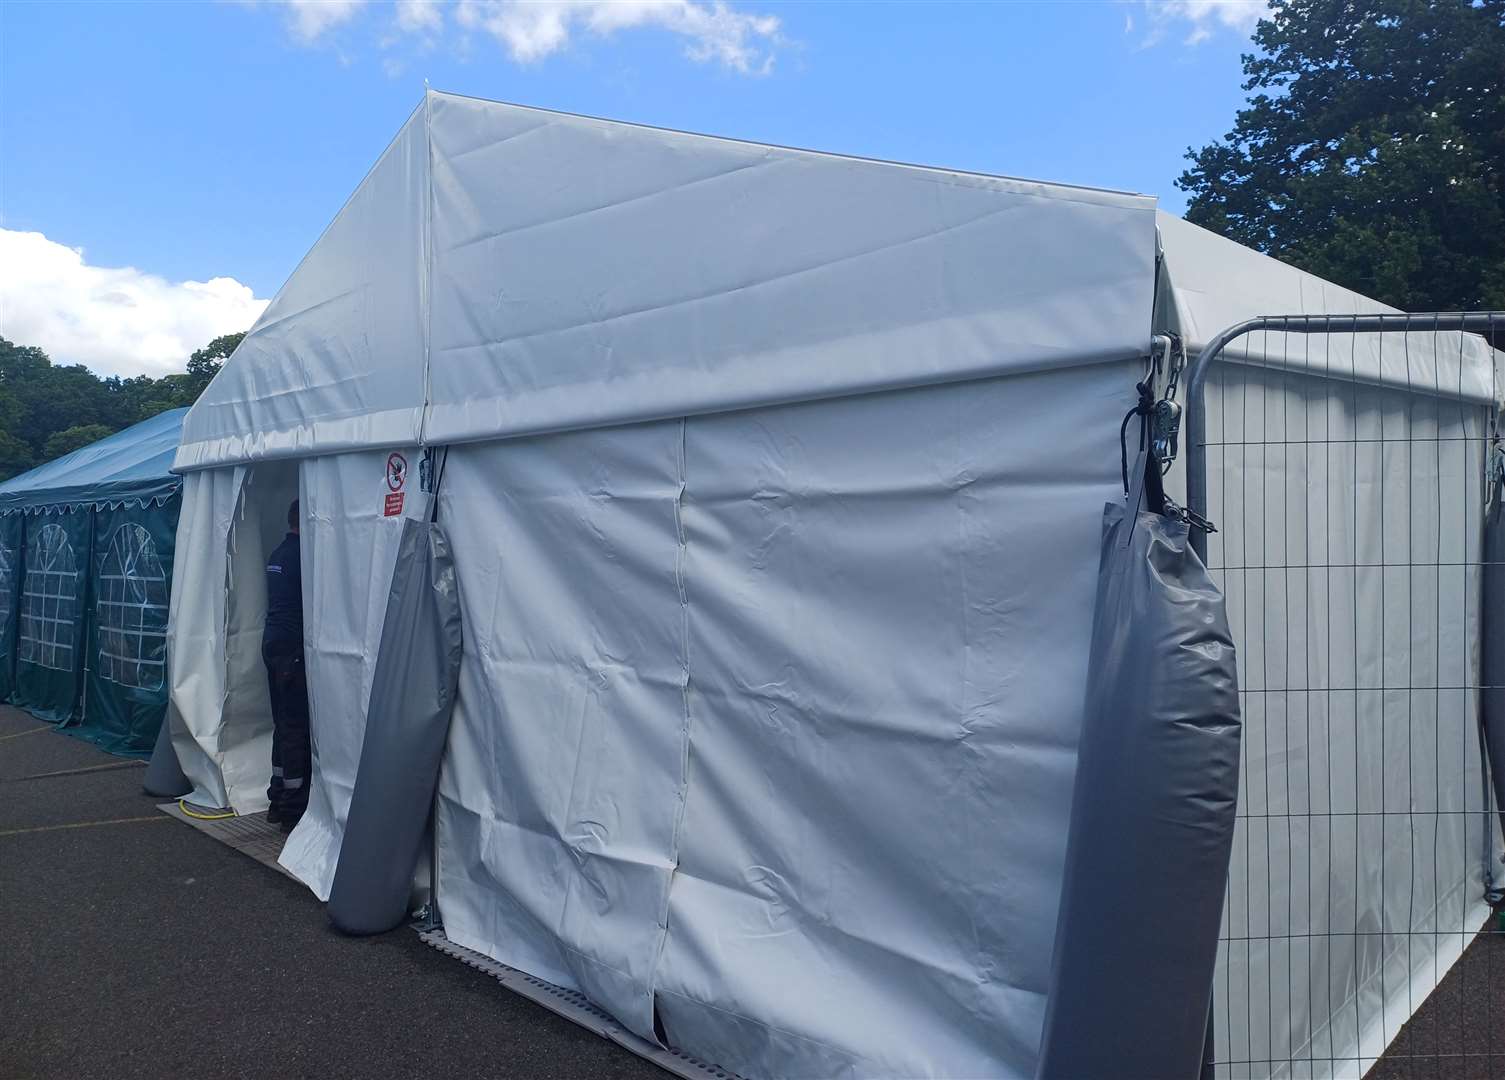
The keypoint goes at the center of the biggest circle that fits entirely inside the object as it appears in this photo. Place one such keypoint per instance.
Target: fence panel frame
(1489, 323)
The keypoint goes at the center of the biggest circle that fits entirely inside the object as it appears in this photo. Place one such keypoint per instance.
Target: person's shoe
(274, 816)
(288, 824)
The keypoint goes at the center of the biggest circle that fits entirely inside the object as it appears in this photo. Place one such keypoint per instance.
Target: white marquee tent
(774, 495)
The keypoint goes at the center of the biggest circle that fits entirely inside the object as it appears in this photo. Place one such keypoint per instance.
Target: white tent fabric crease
(774, 492)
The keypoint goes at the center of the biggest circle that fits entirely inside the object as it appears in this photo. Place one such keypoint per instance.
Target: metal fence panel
(1349, 518)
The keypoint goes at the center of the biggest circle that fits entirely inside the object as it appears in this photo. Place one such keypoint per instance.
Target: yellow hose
(183, 806)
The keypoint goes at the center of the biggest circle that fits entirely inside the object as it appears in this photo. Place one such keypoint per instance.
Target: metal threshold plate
(575, 1006)
(252, 835)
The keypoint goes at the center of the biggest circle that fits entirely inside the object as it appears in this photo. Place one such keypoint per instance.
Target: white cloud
(419, 16)
(1199, 19)
(116, 320)
(309, 20)
(530, 30)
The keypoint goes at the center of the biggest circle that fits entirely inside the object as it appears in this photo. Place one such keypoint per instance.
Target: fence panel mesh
(1350, 513)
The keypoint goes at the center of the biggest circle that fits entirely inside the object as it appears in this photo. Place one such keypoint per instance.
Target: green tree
(71, 439)
(141, 397)
(205, 363)
(48, 396)
(45, 406)
(15, 456)
(1371, 150)
(10, 408)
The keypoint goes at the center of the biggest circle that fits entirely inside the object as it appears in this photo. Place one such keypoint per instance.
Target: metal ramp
(575, 1006)
(253, 836)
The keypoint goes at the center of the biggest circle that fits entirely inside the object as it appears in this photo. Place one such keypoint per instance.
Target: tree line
(48, 410)
(1371, 151)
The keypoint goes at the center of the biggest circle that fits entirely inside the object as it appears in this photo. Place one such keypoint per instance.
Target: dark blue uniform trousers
(287, 684)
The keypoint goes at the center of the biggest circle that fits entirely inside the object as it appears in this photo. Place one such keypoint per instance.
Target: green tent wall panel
(89, 539)
(50, 630)
(126, 684)
(12, 530)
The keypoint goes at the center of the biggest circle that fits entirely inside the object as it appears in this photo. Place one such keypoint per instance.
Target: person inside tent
(282, 651)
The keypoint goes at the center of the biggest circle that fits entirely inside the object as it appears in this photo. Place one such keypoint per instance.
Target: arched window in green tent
(7, 585)
(49, 601)
(131, 611)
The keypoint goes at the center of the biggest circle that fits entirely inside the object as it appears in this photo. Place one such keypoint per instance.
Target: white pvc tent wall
(774, 497)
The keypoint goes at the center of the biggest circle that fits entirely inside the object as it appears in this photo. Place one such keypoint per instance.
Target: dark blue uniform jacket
(285, 595)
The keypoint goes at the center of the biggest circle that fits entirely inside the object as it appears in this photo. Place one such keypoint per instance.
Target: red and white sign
(397, 471)
(397, 477)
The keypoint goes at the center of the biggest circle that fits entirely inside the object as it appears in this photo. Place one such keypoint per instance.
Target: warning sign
(397, 471)
(397, 477)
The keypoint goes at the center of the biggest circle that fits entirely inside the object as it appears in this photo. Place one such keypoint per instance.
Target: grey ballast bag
(164, 775)
(1151, 817)
(412, 693)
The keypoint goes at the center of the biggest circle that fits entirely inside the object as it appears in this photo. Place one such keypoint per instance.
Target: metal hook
(1159, 349)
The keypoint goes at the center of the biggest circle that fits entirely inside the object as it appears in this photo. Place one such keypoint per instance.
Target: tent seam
(680, 557)
(427, 255)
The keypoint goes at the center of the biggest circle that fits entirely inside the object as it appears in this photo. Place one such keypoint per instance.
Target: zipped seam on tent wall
(425, 283)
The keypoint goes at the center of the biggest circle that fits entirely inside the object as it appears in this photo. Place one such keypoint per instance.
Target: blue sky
(198, 141)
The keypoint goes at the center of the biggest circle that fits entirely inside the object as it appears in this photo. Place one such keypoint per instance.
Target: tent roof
(130, 465)
(1210, 283)
(1219, 283)
(505, 270)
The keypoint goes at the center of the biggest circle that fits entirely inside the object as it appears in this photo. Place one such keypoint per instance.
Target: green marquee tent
(86, 557)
